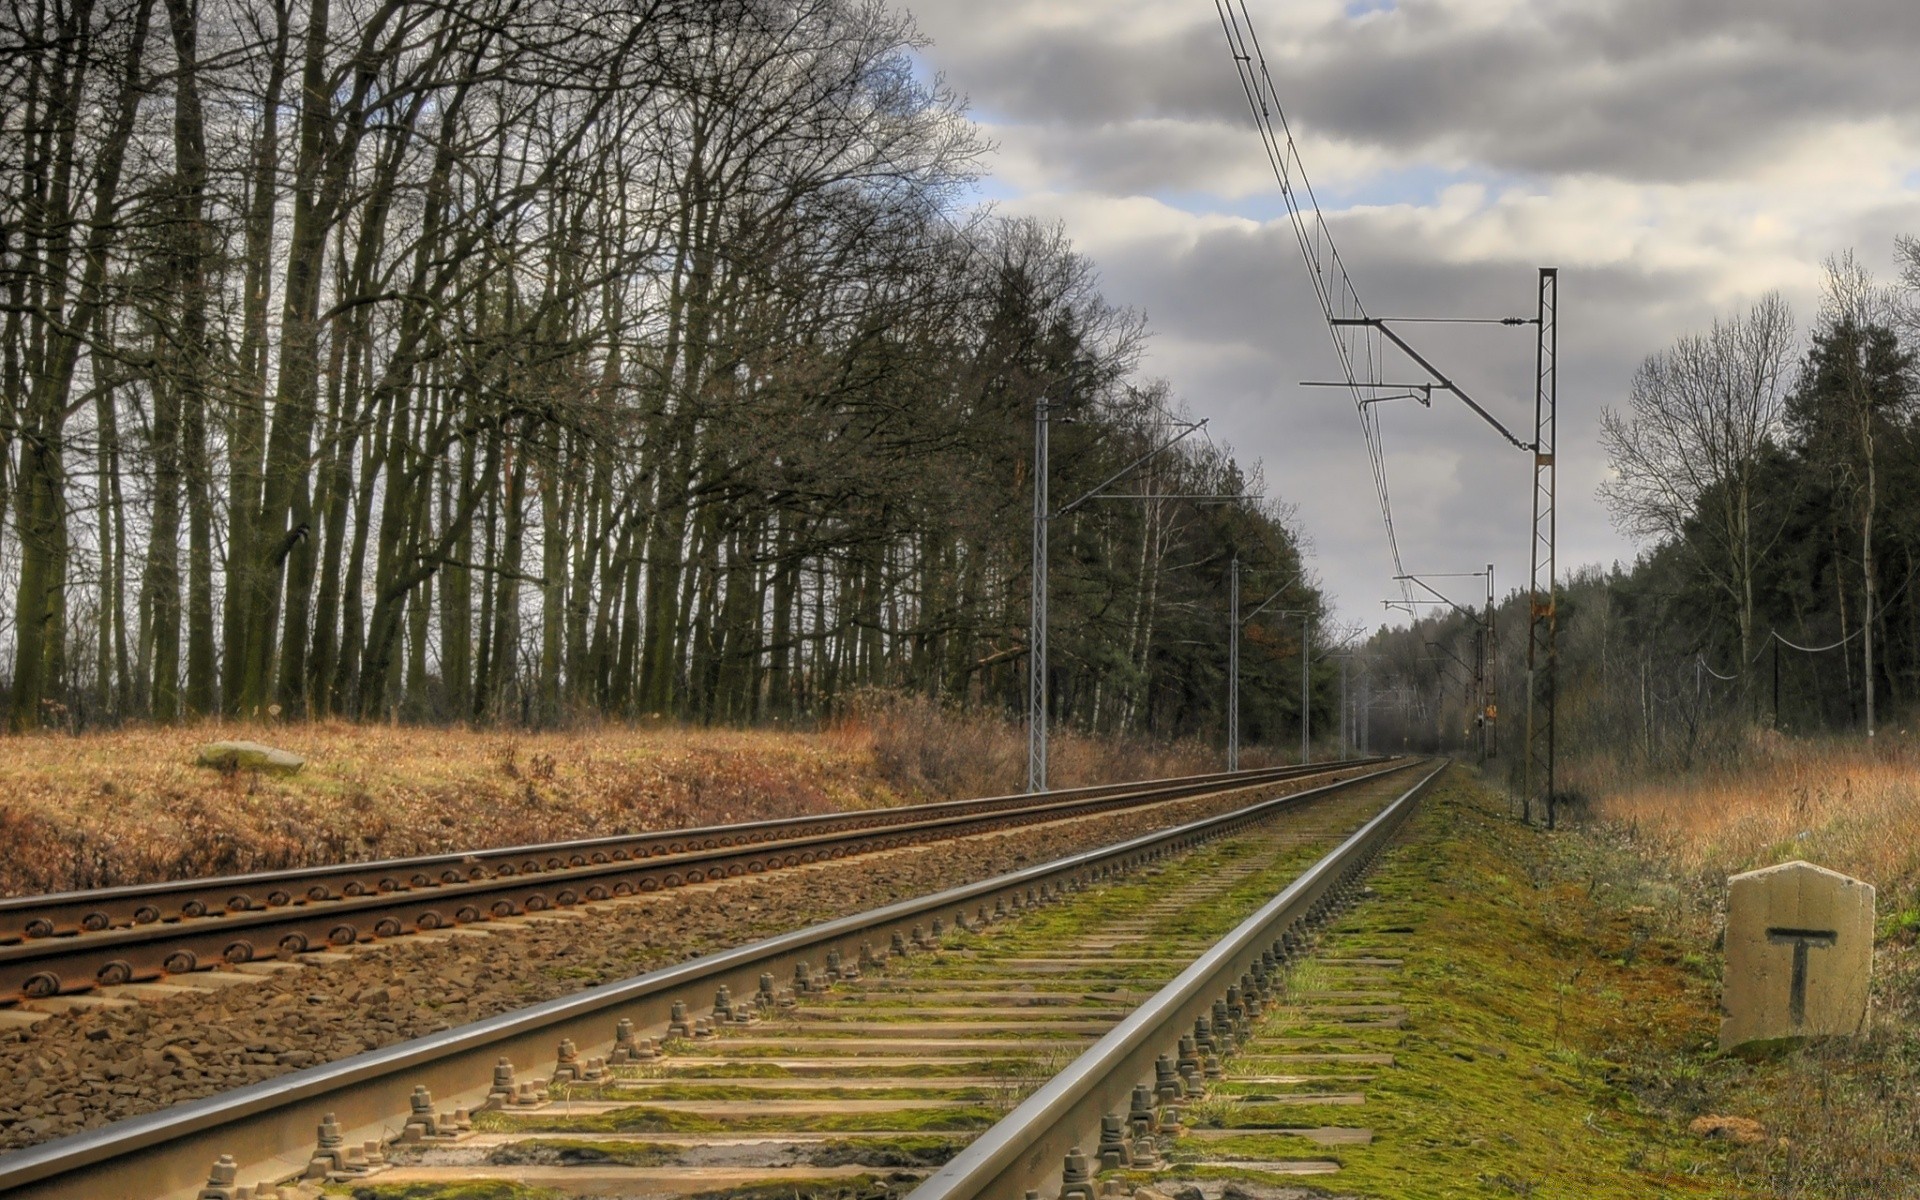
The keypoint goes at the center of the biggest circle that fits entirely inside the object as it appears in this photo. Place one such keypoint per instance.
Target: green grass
(640, 1118)
(584, 1152)
(681, 1090)
(853, 1187)
(479, 1189)
(1497, 1088)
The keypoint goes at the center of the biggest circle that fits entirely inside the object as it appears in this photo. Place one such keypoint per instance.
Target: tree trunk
(247, 419)
(40, 609)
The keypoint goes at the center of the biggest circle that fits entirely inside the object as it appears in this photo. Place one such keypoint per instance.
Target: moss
(892, 1151)
(851, 1187)
(682, 1069)
(1498, 1086)
(680, 1090)
(479, 1189)
(895, 1152)
(642, 1119)
(574, 1152)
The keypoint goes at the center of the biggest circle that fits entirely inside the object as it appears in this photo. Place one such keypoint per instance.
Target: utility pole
(1490, 698)
(1346, 710)
(1366, 708)
(1543, 632)
(1235, 620)
(1043, 518)
(1306, 670)
(1306, 685)
(1776, 681)
(1233, 670)
(1347, 317)
(1037, 609)
(1481, 697)
(1543, 655)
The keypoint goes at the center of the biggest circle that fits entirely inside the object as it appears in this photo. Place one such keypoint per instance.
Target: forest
(1772, 475)
(531, 361)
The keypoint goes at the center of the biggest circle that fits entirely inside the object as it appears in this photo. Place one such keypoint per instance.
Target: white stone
(248, 756)
(1799, 954)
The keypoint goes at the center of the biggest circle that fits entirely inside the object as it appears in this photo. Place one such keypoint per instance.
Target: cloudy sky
(1675, 158)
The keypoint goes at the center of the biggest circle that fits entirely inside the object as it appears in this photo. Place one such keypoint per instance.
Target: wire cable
(1357, 345)
(1774, 635)
(1708, 668)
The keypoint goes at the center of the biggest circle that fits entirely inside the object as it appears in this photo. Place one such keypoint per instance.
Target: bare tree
(1686, 453)
(508, 359)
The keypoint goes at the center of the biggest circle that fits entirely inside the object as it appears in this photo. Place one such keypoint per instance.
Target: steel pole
(1233, 668)
(1037, 612)
(1346, 709)
(1543, 629)
(1490, 700)
(1776, 681)
(1366, 707)
(1306, 679)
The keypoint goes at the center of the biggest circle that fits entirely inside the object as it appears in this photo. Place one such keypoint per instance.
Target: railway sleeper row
(867, 1073)
(284, 930)
(31, 918)
(829, 992)
(550, 1132)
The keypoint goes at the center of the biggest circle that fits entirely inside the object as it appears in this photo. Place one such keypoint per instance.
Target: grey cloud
(1676, 90)
(1116, 159)
(1235, 326)
(1640, 89)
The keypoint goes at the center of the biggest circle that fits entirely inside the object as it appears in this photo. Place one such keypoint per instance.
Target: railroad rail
(268, 1129)
(1042, 1144)
(77, 941)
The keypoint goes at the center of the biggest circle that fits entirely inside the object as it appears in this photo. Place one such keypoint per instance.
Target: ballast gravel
(88, 1066)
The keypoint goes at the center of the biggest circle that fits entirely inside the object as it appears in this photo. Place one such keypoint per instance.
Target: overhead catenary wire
(1774, 635)
(1701, 659)
(1793, 645)
(1356, 345)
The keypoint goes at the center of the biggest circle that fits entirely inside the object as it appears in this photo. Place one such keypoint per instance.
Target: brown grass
(1843, 1116)
(1839, 804)
(920, 746)
(129, 806)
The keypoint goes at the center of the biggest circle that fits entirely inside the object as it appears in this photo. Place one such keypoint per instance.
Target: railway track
(60, 944)
(857, 1054)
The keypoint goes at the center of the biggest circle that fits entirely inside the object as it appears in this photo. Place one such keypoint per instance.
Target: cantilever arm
(1123, 472)
(1442, 597)
(1270, 599)
(1439, 378)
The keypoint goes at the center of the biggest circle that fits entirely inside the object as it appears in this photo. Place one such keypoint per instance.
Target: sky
(1675, 159)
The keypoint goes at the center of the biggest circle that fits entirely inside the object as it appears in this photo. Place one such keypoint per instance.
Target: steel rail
(46, 966)
(1026, 1150)
(269, 1126)
(25, 918)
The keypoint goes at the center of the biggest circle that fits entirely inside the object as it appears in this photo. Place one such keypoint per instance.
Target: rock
(248, 756)
(1742, 1131)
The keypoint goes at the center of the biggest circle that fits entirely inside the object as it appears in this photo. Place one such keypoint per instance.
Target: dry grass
(129, 806)
(1838, 804)
(1843, 1116)
(920, 746)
